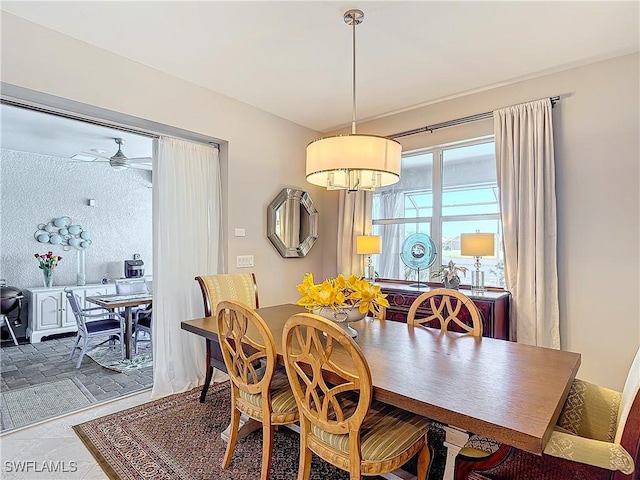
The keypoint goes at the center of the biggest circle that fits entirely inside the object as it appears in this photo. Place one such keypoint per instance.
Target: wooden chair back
(446, 306)
(380, 312)
(244, 354)
(309, 341)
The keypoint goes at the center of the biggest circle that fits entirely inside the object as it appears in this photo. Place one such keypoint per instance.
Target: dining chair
(215, 288)
(339, 420)
(131, 286)
(379, 311)
(257, 389)
(94, 322)
(142, 324)
(448, 309)
(445, 308)
(597, 437)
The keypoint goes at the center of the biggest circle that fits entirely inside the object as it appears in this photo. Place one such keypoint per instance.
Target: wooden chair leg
(267, 450)
(207, 380)
(233, 434)
(304, 467)
(424, 459)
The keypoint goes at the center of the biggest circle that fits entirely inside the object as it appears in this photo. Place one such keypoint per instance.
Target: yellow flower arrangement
(338, 293)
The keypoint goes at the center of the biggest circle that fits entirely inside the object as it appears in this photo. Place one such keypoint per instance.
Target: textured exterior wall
(35, 189)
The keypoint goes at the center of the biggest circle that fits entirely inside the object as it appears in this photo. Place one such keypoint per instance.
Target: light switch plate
(244, 261)
(239, 232)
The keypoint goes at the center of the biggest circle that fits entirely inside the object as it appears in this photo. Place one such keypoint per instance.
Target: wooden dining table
(507, 391)
(126, 302)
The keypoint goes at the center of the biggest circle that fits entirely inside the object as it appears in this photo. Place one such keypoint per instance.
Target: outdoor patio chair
(92, 323)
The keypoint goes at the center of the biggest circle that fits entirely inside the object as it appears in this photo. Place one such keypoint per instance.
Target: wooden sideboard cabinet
(493, 306)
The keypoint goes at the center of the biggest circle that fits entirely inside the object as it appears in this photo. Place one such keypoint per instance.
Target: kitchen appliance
(133, 268)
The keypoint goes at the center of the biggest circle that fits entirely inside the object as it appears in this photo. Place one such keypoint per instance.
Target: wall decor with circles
(62, 231)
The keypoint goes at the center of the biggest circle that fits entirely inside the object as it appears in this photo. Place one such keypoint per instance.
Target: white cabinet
(50, 313)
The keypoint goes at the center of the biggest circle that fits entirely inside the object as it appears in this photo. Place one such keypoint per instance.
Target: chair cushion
(102, 325)
(478, 446)
(610, 456)
(282, 399)
(386, 432)
(590, 411)
(145, 321)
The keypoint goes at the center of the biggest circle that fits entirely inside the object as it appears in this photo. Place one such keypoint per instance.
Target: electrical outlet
(244, 261)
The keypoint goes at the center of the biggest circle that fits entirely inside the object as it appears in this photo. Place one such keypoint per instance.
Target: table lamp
(477, 245)
(369, 245)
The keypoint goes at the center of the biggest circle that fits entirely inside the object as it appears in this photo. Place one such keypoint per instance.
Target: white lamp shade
(477, 244)
(368, 244)
(353, 162)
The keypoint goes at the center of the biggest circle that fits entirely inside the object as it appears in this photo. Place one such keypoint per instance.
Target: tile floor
(33, 452)
(28, 364)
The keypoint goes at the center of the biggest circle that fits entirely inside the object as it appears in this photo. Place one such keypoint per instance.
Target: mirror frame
(303, 198)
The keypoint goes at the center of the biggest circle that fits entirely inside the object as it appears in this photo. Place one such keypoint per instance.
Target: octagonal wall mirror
(292, 223)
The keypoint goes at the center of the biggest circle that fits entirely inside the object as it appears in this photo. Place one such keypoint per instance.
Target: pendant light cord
(353, 118)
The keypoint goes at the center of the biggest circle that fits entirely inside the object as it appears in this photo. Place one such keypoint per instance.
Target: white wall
(35, 189)
(596, 130)
(261, 154)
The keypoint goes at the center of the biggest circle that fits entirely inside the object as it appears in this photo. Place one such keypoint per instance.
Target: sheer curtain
(526, 179)
(354, 218)
(186, 232)
(391, 206)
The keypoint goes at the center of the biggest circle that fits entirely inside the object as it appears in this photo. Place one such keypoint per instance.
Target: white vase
(342, 317)
(81, 278)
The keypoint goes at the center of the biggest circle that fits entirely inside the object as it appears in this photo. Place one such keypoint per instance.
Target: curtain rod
(457, 121)
(37, 108)
(94, 121)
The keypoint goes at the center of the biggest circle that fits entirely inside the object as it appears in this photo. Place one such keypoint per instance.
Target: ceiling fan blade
(140, 160)
(98, 156)
(142, 166)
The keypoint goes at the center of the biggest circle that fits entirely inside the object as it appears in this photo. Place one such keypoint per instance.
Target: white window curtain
(391, 206)
(186, 232)
(526, 181)
(354, 218)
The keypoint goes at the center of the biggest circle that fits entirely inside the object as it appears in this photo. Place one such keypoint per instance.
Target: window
(443, 191)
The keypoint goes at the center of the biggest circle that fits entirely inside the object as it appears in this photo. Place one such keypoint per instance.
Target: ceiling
(35, 132)
(293, 59)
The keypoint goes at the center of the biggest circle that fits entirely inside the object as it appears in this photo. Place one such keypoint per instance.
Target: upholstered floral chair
(597, 437)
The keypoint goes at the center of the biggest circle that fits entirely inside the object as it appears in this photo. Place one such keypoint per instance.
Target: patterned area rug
(112, 359)
(39, 402)
(179, 437)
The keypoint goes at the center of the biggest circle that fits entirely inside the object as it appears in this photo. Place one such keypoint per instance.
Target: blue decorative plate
(418, 251)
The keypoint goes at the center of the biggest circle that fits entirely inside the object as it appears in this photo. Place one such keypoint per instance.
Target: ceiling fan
(119, 161)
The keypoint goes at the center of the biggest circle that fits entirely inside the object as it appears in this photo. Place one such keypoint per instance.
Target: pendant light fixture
(355, 161)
